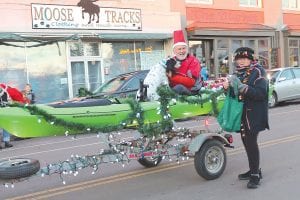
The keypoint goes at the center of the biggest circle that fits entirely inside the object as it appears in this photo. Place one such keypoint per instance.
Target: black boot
(7, 145)
(254, 181)
(246, 175)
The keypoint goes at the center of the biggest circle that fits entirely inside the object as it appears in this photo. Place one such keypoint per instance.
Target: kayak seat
(82, 103)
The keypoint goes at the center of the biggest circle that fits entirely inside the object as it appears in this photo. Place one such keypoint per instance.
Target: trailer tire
(18, 168)
(210, 160)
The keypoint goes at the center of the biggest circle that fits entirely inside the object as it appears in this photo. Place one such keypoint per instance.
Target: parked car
(123, 85)
(285, 84)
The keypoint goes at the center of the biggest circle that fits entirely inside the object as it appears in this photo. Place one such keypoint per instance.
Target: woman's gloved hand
(233, 79)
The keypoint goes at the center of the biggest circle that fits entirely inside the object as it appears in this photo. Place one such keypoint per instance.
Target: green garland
(198, 99)
(34, 110)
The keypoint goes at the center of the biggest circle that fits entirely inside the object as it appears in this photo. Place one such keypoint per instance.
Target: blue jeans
(181, 89)
(5, 136)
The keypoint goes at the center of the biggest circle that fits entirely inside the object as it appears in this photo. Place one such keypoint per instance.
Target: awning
(229, 29)
(291, 30)
(9, 39)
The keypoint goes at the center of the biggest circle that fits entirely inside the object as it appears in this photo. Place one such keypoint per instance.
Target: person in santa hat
(182, 69)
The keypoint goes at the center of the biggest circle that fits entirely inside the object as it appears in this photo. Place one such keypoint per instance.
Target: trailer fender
(199, 140)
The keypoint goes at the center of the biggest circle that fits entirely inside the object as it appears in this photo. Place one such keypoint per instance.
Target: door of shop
(86, 73)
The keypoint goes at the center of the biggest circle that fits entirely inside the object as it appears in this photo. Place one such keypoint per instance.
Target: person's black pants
(250, 143)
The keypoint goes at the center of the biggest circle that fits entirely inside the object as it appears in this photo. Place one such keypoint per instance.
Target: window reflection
(45, 70)
(263, 53)
(92, 49)
(123, 57)
(223, 62)
(222, 44)
(76, 49)
(78, 78)
(13, 66)
(95, 80)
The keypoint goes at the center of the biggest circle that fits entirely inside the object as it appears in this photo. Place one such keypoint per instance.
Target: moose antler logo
(90, 8)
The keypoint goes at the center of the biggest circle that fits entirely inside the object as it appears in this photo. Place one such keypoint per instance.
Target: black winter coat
(255, 97)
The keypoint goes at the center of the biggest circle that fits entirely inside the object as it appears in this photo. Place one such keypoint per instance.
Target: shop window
(76, 49)
(294, 57)
(119, 58)
(13, 67)
(152, 52)
(221, 44)
(250, 44)
(293, 43)
(92, 49)
(223, 62)
(222, 54)
(94, 74)
(123, 57)
(293, 52)
(45, 70)
(84, 49)
(235, 45)
(250, 3)
(263, 53)
(200, 1)
(78, 78)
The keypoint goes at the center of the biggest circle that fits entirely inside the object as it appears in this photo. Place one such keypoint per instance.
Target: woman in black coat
(253, 91)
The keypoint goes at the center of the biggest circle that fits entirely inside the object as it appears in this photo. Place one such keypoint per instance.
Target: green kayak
(90, 112)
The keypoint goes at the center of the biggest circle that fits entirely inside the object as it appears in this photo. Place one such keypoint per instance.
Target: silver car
(285, 84)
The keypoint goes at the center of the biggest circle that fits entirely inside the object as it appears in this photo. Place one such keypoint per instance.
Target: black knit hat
(244, 52)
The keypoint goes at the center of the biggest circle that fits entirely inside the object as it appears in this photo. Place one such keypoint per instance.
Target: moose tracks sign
(85, 15)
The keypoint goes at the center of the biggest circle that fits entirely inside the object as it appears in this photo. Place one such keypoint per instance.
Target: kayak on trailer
(90, 112)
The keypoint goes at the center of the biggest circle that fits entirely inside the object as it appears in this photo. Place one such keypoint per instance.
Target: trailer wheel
(150, 161)
(18, 168)
(210, 160)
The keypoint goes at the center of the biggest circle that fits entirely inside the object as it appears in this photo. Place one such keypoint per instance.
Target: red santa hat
(178, 37)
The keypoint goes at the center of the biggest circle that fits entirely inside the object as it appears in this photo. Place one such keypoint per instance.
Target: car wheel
(273, 100)
(18, 168)
(210, 160)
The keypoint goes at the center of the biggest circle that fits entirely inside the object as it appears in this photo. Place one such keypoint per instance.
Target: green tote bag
(230, 116)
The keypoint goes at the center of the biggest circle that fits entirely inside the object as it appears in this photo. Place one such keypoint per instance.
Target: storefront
(216, 48)
(61, 48)
(214, 34)
(290, 35)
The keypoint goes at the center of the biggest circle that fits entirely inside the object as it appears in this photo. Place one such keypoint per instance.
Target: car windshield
(112, 85)
(272, 75)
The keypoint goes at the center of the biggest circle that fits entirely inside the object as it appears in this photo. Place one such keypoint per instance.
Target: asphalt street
(280, 162)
